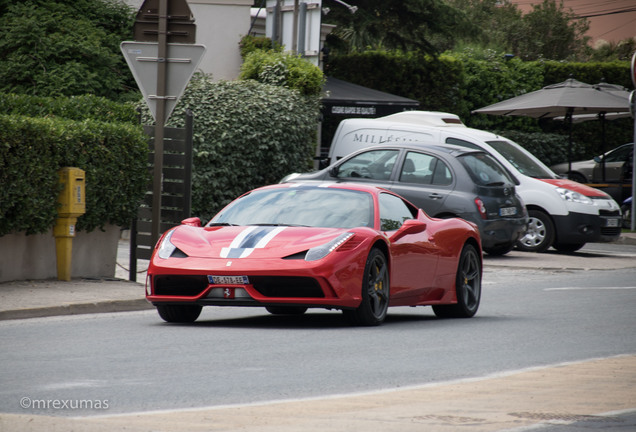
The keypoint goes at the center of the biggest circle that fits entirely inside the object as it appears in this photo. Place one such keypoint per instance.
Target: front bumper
(332, 283)
(588, 228)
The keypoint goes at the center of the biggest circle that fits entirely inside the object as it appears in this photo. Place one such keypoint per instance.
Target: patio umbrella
(615, 90)
(567, 99)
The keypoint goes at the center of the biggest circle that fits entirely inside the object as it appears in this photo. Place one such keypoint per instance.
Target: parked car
(590, 171)
(290, 247)
(444, 182)
(563, 214)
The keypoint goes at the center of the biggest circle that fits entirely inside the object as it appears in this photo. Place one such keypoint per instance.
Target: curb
(78, 309)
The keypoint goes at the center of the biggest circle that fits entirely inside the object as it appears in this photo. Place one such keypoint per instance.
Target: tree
(551, 32)
(547, 32)
(65, 47)
(494, 24)
(392, 24)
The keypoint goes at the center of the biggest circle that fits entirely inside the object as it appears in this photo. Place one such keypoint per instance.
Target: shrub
(113, 155)
(246, 134)
(283, 69)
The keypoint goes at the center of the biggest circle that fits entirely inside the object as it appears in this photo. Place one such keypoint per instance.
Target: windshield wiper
(220, 224)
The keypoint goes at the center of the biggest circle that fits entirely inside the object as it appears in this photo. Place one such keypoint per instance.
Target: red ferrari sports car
(289, 247)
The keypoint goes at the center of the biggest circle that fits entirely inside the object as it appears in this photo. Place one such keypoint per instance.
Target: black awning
(344, 98)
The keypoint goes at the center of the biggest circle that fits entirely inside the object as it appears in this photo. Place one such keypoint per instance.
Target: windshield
(522, 160)
(485, 170)
(300, 206)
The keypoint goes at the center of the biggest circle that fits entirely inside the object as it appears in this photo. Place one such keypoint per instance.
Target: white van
(563, 214)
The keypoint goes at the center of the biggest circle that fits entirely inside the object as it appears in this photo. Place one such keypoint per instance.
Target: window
(417, 168)
(374, 164)
(393, 212)
(463, 143)
(522, 160)
(484, 170)
(421, 168)
(302, 205)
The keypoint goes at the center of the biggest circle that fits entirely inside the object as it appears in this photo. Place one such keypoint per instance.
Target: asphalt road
(130, 363)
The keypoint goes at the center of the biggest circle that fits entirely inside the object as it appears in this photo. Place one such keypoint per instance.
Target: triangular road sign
(181, 62)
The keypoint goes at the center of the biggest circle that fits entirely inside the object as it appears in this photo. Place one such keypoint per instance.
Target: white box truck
(563, 214)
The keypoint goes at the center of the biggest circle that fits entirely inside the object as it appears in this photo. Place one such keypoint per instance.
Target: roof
(338, 92)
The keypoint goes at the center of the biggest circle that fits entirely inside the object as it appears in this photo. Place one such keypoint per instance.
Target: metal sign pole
(160, 120)
(632, 107)
(632, 100)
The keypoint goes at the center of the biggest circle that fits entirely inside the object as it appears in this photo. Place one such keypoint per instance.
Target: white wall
(313, 39)
(25, 257)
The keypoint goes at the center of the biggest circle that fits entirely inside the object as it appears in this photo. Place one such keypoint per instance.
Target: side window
(619, 155)
(374, 164)
(441, 174)
(463, 143)
(418, 168)
(393, 212)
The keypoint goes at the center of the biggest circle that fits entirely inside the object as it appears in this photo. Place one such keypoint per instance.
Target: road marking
(588, 288)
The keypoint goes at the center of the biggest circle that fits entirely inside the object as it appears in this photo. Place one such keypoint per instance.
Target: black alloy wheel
(467, 286)
(375, 292)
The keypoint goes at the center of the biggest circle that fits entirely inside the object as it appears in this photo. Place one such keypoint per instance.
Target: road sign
(180, 25)
(181, 62)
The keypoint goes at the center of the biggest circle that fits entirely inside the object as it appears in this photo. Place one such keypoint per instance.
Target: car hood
(577, 187)
(249, 241)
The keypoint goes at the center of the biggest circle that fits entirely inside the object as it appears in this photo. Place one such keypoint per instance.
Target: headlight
(322, 251)
(166, 248)
(570, 195)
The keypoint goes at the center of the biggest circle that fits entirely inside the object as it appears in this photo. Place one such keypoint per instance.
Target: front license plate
(507, 211)
(612, 223)
(228, 280)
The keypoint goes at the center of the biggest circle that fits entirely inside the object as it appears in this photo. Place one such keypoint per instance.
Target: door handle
(435, 196)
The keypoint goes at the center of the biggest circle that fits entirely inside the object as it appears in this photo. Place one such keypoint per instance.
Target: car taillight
(481, 207)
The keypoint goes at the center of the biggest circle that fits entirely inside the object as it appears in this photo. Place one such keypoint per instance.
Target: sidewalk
(40, 298)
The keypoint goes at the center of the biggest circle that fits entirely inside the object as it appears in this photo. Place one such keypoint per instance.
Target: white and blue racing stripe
(254, 237)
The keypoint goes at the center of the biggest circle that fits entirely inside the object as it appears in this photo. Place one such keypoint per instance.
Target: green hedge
(74, 107)
(463, 82)
(437, 83)
(246, 134)
(113, 155)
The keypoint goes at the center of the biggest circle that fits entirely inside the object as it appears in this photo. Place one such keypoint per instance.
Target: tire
(568, 247)
(467, 286)
(375, 292)
(540, 233)
(179, 313)
(286, 310)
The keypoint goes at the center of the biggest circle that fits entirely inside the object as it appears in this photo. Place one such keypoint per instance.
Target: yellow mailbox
(71, 200)
(71, 205)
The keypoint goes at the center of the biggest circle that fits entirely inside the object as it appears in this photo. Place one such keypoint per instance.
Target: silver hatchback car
(444, 181)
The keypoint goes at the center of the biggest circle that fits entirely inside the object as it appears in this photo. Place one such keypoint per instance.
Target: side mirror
(410, 226)
(333, 172)
(193, 221)
(597, 159)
